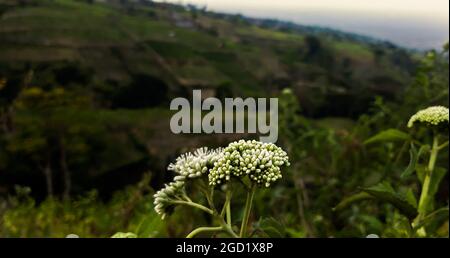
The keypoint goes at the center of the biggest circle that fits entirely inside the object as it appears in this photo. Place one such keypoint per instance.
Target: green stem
(400, 154)
(203, 229)
(424, 197)
(211, 195)
(186, 197)
(228, 212)
(226, 209)
(227, 228)
(224, 227)
(209, 199)
(227, 202)
(248, 207)
(231, 232)
(195, 205)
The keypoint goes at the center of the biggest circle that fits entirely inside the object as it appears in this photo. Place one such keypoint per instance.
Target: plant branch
(195, 205)
(228, 207)
(424, 195)
(227, 228)
(445, 144)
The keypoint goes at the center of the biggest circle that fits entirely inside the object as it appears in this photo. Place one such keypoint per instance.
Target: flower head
(261, 162)
(164, 196)
(431, 116)
(192, 165)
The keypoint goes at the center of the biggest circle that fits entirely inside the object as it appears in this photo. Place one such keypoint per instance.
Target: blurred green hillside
(85, 88)
(110, 47)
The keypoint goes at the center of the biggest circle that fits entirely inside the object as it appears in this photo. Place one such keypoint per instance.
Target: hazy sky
(411, 23)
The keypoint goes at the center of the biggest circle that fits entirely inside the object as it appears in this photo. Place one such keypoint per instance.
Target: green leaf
(421, 171)
(294, 233)
(271, 227)
(124, 235)
(150, 226)
(352, 199)
(388, 135)
(435, 180)
(414, 158)
(374, 225)
(410, 197)
(384, 192)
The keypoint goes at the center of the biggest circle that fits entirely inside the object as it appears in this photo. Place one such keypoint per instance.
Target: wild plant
(428, 138)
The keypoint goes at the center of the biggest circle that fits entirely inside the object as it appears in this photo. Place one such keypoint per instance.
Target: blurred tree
(431, 81)
(317, 53)
(49, 132)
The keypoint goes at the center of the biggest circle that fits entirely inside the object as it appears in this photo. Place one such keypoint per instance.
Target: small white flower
(164, 196)
(193, 165)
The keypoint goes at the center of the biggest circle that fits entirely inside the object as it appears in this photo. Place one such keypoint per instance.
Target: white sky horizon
(418, 24)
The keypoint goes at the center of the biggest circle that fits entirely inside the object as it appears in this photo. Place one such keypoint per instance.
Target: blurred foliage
(332, 159)
(86, 216)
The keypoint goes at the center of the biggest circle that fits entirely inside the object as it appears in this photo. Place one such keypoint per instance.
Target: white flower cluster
(164, 196)
(261, 162)
(192, 165)
(431, 116)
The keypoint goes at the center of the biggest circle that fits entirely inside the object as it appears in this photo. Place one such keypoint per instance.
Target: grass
(32, 53)
(51, 24)
(203, 73)
(173, 50)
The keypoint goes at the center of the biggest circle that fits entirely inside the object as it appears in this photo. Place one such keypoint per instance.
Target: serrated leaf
(384, 192)
(352, 199)
(388, 136)
(421, 171)
(411, 197)
(414, 158)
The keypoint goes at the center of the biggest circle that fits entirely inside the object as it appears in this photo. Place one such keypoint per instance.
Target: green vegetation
(220, 173)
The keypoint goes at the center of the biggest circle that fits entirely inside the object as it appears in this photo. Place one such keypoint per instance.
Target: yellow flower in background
(2, 83)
